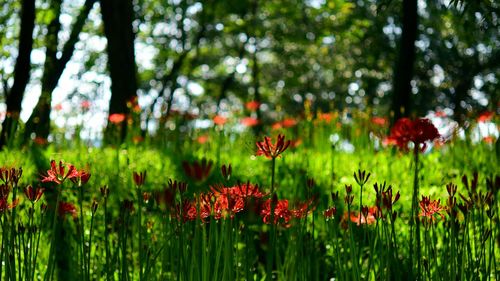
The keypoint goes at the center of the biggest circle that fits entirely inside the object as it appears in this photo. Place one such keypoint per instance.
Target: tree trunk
(403, 71)
(14, 97)
(39, 121)
(117, 17)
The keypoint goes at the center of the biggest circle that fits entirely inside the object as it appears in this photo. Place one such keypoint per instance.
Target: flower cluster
(417, 131)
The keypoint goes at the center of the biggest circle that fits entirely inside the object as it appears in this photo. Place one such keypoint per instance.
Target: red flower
(219, 120)
(10, 175)
(202, 139)
(429, 209)
(325, 117)
(81, 177)
(58, 174)
(117, 118)
(58, 107)
(379, 121)
(367, 217)
(485, 116)
(489, 139)
(4, 205)
(281, 212)
(270, 150)
(33, 194)
(252, 105)
(441, 114)
(85, 104)
(250, 121)
(330, 213)
(418, 131)
(288, 122)
(198, 171)
(139, 178)
(67, 208)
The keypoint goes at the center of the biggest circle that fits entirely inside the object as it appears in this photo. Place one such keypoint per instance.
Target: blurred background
(86, 68)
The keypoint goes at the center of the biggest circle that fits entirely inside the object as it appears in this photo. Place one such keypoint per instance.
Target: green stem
(50, 266)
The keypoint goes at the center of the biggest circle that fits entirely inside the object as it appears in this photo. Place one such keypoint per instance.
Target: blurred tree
(38, 125)
(117, 17)
(14, 96)
(404, 69)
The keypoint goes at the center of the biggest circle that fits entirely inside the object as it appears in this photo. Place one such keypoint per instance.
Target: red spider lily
(58, 174)
(198, 171)
(379, 121)
(368, 216)
(252, 105)
(231, 200)
(33, 194)
(139, 178)
(429, 209)
(330, 213)
(281, 212)
(177, 186)
(485, 116)
(10, 175)
(226, 171)
(226, 205)
(270, 150)
(116, 118)
(4, 205)
(250, 121)
(219, 120)
(186, 211)
(304, 208)
(67, 208)
(81, 177)
(418, 132)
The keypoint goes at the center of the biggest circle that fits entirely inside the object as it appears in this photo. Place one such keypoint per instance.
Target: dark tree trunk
(39, 121)
(14, 97)
(117, 17)
(403, 71)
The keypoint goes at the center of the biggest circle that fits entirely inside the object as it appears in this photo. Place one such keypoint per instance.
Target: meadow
(327, 197)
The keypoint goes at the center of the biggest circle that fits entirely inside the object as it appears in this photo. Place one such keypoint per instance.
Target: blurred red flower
(418, 132)
(33, 194)
(325, 117)
(85, 104)
(81, 177)
(485, 116)
(379, 121)
(198, 171)
(202, 139)
(219, 120)
(250, 121)
(252, 105)
(67, 208)
(117, 118)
